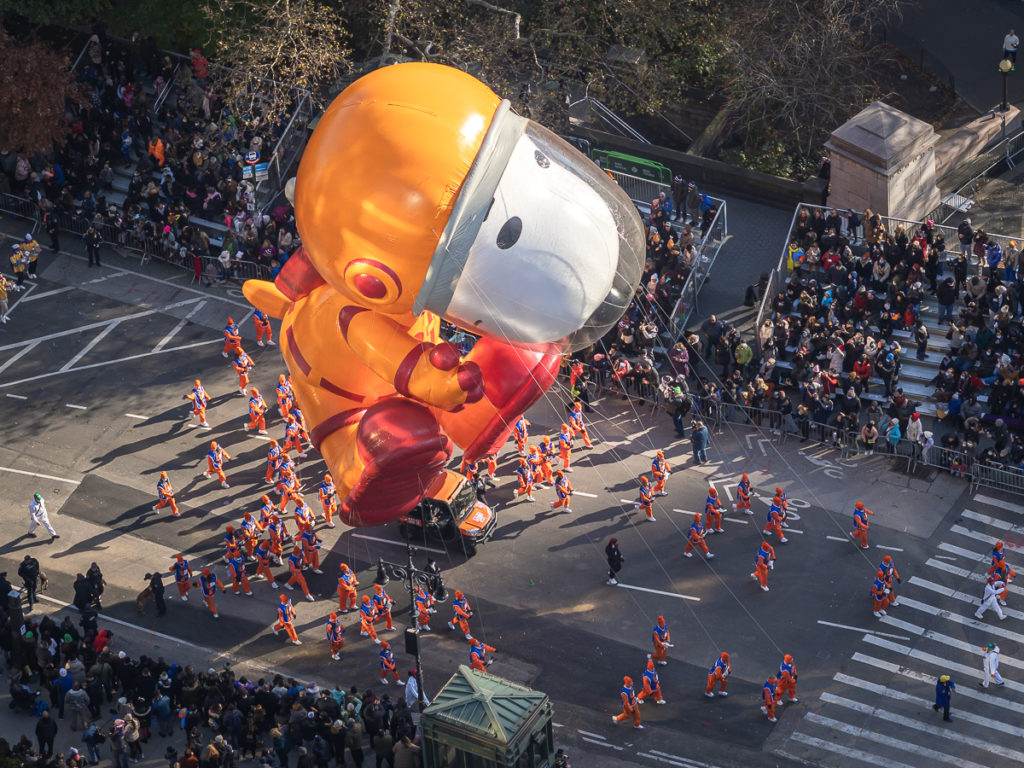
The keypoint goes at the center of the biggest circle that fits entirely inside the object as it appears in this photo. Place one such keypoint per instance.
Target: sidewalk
(968, 39)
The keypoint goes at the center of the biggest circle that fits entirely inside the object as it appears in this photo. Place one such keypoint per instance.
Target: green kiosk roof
(480, 703)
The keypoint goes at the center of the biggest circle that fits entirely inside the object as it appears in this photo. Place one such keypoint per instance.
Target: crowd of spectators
(84, 700)
(827, 361)
(186, 200)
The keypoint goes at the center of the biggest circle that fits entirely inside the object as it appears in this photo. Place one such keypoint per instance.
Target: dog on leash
(143, 597)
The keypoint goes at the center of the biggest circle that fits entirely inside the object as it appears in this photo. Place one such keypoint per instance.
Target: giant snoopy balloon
(422, 195)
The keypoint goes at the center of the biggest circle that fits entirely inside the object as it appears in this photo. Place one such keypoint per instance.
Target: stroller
(23, 698)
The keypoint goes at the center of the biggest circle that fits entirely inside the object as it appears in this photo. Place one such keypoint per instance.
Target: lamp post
(431, 579)
(1005, 67)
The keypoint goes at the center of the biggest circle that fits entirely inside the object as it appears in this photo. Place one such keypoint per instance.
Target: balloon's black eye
(509, 233)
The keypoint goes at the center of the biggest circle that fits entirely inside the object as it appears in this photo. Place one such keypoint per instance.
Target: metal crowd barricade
(1009, 479)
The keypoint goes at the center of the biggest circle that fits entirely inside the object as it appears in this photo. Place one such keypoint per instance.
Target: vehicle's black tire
(468, 546)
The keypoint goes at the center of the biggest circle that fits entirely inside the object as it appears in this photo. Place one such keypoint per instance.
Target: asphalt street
(93, 366)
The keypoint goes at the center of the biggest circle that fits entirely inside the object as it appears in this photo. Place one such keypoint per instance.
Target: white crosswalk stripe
(966, 691)
(889, 741)
(984, 722)
(883, 702)
(908, 722)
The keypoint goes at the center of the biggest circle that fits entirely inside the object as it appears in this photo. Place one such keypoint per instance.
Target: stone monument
(884, 159)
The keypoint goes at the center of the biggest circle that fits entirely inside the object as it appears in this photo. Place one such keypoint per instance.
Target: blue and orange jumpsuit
(285, 617)
(576, 425)
(424, 607)
(773, 522)
(695, 539)
(478, 655)
(208, 585)
(165, 496)
(263, 330)
(743, 496)
(388, 665)
(662, 640)
(273, 460)
(860, 525)
(347, 584)
(382, 603)
(257, 414)
(328, 496)
(243, 365)
(787, 680)
(295, 569)
(565, 447)
(718, 675)
(762, 562)
(520, 431)
(630, 704)
(215, 459)
(660, 470)
(263, 555)
(525, 476)
(563, 490)
(366, 620)
(646, 503)
(232, 339)
(713, 511)
(199, 400)
(652, 685)
(335, 635)
(182, 576)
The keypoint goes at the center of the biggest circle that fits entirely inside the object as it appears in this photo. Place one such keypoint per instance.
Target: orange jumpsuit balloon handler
(768, 694)
(182, 575)
(660, 470)
(525, 477)
(385, 399)
(713, 512)
(257, 413)
(478, 654)
(335, 635)
(215, 459)
(199, 400)
(366, 620)
(576, 425)
(347, 584)
(787, 681)
(388, 666)
(295, 563)
(461, 614)
(232, 339)
(773, 522)
(382, 603)
(646, 502)
(165, 495)
(328, 499)
(243, 365)
(743, 496)
(695, 539)
(563, 490)
(718, 675)
(880, 595)
(285, 617)
(764, 561)
(208, 584)
(1000, 569)
(263, 330)
(630, 704)
(652, 686)
(888, 567)
(662, 642)
(860, 523)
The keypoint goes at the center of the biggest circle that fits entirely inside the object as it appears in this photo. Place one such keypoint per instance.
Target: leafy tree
(265, 49)
(35, 86)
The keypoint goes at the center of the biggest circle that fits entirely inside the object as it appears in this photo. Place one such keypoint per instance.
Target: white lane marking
(397, 543)
(137, 416)
(958, 619)
(838, 538)
(85, 350)
(628, 501)
(921, 677)
(202, 294)
(111, 362)
(881, 690)
(21, 298)
(939, 661)
(678, 759)
(592, 735)
(659, 592)
(889, 549)
(995, 522)
(961, 596)
(738, 520)
(841, 749)
(684, 512)
(91, 326)
(104, 278)
(973, 557)
(44, 294)
(1010, 507)
(667, 760)
(152, 633)
(174, 332)
(601, 743)
(861, 629)
(36, 474)
(945, 557)
(583, 493)
(961, 572)
(901, 744)
(77, 407)
(11, 361)
(907, 722)
(17, 397)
